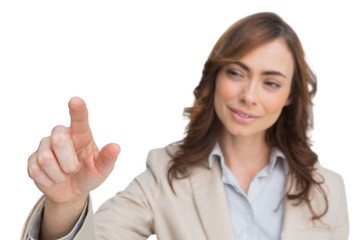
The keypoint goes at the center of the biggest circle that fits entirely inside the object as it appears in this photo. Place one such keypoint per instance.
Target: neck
(249, 153)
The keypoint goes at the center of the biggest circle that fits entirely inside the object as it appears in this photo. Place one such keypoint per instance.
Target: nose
(249, 94)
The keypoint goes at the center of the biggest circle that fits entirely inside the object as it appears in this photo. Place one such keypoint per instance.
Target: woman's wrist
(60, 218)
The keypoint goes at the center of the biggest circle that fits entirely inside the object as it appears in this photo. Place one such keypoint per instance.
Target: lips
(243, 117)
(242, 113)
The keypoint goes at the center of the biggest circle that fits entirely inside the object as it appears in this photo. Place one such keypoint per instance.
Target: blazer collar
(210, 200)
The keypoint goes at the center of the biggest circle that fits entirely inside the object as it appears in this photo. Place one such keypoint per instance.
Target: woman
(245, 169)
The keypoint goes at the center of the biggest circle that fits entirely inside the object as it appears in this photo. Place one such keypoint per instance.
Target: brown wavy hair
(289, 134)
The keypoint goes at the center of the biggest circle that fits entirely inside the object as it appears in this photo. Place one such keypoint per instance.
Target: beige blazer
(199, 209)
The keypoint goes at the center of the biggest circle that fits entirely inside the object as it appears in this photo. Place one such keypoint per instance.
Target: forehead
(272, 56)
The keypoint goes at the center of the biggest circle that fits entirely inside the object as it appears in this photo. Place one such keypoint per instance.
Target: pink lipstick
(242, 116)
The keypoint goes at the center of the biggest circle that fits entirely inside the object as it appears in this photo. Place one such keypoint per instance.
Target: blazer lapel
(210, 199)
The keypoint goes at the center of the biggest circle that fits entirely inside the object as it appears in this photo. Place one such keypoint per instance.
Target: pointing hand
(68, 164)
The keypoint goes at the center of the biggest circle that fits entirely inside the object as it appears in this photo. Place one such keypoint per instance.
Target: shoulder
(157, 164)
(161, 157)
(329, 178)
(334, 188)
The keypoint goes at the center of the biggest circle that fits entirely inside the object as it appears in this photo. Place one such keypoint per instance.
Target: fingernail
(77, 169)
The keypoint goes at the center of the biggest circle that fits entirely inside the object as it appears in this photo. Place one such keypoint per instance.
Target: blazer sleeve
(130, 213)
(337, 215)
(86, 230)
(127, 215)
(341, 230)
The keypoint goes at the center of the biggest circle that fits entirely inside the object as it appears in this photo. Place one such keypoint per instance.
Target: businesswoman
(244, 170)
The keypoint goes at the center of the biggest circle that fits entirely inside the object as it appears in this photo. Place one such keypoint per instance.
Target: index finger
(79, 115)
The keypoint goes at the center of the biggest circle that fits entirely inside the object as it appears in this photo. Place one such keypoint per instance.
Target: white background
(136, 64)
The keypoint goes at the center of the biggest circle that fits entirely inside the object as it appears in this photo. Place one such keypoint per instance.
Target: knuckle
(31, 158)
(44, 159)
(59, 138)
(33, 171)
(38, 176)
(44, 140)
(57, 128)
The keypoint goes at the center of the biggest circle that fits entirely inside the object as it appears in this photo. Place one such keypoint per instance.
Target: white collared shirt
(257, 215)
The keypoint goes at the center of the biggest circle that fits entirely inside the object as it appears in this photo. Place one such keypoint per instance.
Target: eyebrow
(242, 65)
(266, 73)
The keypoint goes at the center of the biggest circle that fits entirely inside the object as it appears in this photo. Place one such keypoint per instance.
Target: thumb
(106, 158)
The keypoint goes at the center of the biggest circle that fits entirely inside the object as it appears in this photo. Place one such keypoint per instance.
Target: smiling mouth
(243, 115)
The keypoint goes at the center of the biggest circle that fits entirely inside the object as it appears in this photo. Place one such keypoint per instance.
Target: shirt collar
(275, 156)
(216, 153)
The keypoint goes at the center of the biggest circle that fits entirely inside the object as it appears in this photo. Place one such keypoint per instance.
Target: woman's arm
(66, 167)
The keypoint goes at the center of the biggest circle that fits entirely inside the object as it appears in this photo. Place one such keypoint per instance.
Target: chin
(241, 133)
(246, 133)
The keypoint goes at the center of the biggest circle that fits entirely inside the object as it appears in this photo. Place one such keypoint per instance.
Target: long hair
(290, 132)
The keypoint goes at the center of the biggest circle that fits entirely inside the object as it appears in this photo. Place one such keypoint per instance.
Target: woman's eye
(272, 84)
(234, 73)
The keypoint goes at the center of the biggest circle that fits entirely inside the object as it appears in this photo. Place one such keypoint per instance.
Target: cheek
(221, 97)
(274, 105)
(218, 102)
(273, 111)
(225, 91)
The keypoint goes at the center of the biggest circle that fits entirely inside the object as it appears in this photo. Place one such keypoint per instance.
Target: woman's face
(251, 92)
